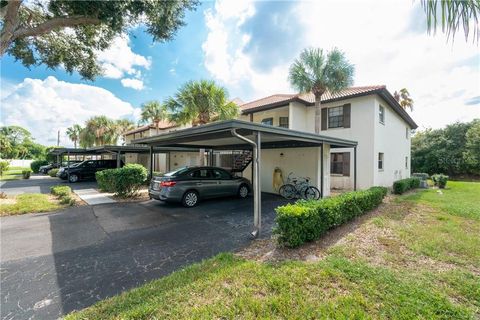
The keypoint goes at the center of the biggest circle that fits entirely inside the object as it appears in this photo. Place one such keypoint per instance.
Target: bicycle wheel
(287, 191)
(312, 193)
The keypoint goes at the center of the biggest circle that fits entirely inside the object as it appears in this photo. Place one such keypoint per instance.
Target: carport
(118, 151)
(242, 135)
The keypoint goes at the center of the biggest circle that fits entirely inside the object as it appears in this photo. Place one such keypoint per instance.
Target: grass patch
(459, 198)
(430, 249)
(30, 202)
(229, 287)
(13, 173)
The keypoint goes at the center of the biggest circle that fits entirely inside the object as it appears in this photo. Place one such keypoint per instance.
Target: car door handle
(199, 183)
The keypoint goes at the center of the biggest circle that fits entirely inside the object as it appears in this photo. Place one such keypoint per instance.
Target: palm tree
(73, 133)
(99, 131)
(122, 126)
(154, 111)
(317, 73)
(403, 98)
(451, 14)
(201, 102)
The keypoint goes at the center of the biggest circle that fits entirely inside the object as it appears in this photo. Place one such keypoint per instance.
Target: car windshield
(176, 172)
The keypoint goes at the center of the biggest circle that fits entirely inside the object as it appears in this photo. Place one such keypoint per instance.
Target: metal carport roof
(237, 134)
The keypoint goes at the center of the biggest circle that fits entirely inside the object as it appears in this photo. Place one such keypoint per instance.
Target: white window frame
(381, 114)
(280, 122)
(340, 114)
(381, 161)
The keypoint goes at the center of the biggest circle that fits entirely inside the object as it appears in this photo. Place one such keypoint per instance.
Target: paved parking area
(40, 184)
(52, 264)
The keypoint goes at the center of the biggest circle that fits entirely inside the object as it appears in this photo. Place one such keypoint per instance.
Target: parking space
(40, 184)
(55, 263)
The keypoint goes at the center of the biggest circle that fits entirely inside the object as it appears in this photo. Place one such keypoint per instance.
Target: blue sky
(247, 47)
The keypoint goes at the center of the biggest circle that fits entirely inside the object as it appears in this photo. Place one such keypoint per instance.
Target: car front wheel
(190, 199)
(73, 178)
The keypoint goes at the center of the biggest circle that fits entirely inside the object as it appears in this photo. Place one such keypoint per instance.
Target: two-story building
(164, 161)
(369, 115)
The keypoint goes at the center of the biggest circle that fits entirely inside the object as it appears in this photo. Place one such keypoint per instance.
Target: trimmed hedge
(35, 165)
(26, 174)
(400, 186)
(61, 191)
(308, 220)
(124, 182)
(64, 194)
(52, 172)
(4, 165)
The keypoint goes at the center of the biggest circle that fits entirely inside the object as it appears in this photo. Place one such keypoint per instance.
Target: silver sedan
(190, 184)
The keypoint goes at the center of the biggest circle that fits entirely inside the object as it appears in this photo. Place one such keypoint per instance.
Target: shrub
(124, 182)
(60, 191)
(400, 186)
(421, 176)
(67, 200)
(307, 220)
(35, 165)
(440, 180)
(52, 172)
(26, 173)
(4, 166)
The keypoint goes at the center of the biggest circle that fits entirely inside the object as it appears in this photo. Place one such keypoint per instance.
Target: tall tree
(98, 131)
(69, 33)
(122, 126)
(404, 99)
(317, 72)
(73, 133)
(201, 102)
(451, 15)
(155, 112)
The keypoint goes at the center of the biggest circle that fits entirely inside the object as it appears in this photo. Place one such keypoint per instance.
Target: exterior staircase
(241, 160)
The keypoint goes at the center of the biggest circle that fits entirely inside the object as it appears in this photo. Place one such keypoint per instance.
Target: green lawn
(417, 258)
(30, 202)
(13, 173)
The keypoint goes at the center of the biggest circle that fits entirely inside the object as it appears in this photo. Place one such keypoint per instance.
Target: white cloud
(381, 38)
(46, 106)
(119, 59)
(132, 83)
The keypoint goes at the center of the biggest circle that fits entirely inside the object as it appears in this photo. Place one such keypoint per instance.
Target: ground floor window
(340, 163)
(406, 162)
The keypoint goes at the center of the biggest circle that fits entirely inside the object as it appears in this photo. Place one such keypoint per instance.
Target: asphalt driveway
(40, 184)
(52, 264)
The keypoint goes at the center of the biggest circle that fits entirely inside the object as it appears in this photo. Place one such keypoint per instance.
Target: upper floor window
(268, 121)
(381, 114)
(380, 161)
(283, 122)
(335, 117)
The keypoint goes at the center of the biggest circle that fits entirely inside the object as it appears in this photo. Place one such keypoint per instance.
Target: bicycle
(299, 188)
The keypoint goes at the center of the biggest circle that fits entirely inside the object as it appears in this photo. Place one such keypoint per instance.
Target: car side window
(201, 174)
(90, 164)
(220, 174)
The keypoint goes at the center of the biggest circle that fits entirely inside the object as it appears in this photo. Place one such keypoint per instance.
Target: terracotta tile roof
(161, 126)
(309, 98)
(278, 100)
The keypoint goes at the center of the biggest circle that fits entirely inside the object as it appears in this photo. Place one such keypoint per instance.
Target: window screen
(335, 117)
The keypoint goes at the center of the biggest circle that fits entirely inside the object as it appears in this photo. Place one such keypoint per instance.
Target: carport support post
(354, 168)
(68, 165)
(321, 170)
(151, 162)
(257, 197)
(118, 159)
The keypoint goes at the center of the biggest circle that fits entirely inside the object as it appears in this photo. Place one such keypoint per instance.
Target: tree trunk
(10, 23)
(318, 113)
(156, 126)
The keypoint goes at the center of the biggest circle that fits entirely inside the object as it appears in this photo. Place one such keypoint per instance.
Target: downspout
(257, 209)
